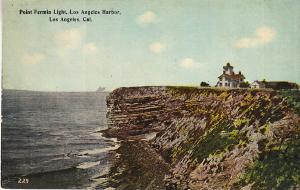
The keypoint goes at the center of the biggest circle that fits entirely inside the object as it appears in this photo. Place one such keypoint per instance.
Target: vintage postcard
(150, 95)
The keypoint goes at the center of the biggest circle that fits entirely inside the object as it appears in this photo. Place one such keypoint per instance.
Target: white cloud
(262, 35)
(70, 38)
(157, 47)
(265, 34)
(189, 63)
(147, 17)
(89, 49)
(33, 58)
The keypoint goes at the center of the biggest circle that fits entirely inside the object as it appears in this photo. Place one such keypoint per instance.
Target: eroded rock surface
(213, 138)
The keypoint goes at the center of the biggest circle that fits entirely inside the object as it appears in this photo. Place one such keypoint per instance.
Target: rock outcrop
(213, 138)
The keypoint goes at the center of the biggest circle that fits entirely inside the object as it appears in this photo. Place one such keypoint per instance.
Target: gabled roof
(233, 77)
(260, 82)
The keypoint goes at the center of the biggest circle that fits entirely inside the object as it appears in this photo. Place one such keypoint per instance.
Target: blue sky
(150, 43)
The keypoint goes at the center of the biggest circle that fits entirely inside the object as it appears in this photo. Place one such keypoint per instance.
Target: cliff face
(213, 138)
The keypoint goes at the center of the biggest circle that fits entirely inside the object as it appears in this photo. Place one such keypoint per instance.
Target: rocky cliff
(213, 138)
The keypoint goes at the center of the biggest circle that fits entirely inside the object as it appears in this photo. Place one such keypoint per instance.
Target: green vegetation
(278, 165)
(204, 84)
(277, 168)
(247, 137)
(245, 85)
(292, 97)
(239, 123)
(217, 140)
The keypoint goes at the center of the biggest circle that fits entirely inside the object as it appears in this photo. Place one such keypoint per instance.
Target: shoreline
(136, 165)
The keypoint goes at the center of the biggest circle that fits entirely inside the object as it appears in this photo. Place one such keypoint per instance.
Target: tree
(264, 81)
(204, 84)
(245, 85)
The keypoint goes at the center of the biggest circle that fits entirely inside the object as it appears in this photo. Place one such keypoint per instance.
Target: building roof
(233, 77)
(259, 82)
(277, 85)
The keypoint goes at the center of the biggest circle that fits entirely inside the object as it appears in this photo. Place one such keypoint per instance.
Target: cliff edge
(213, 138)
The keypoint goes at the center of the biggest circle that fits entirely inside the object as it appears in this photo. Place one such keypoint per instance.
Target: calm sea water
(53, 140)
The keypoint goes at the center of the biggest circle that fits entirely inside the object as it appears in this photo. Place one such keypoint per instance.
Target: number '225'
(23, 180)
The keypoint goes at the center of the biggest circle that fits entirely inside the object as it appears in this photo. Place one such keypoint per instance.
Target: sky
(149, 43)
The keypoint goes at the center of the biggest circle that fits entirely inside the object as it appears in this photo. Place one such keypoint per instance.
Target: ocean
(53, 140)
